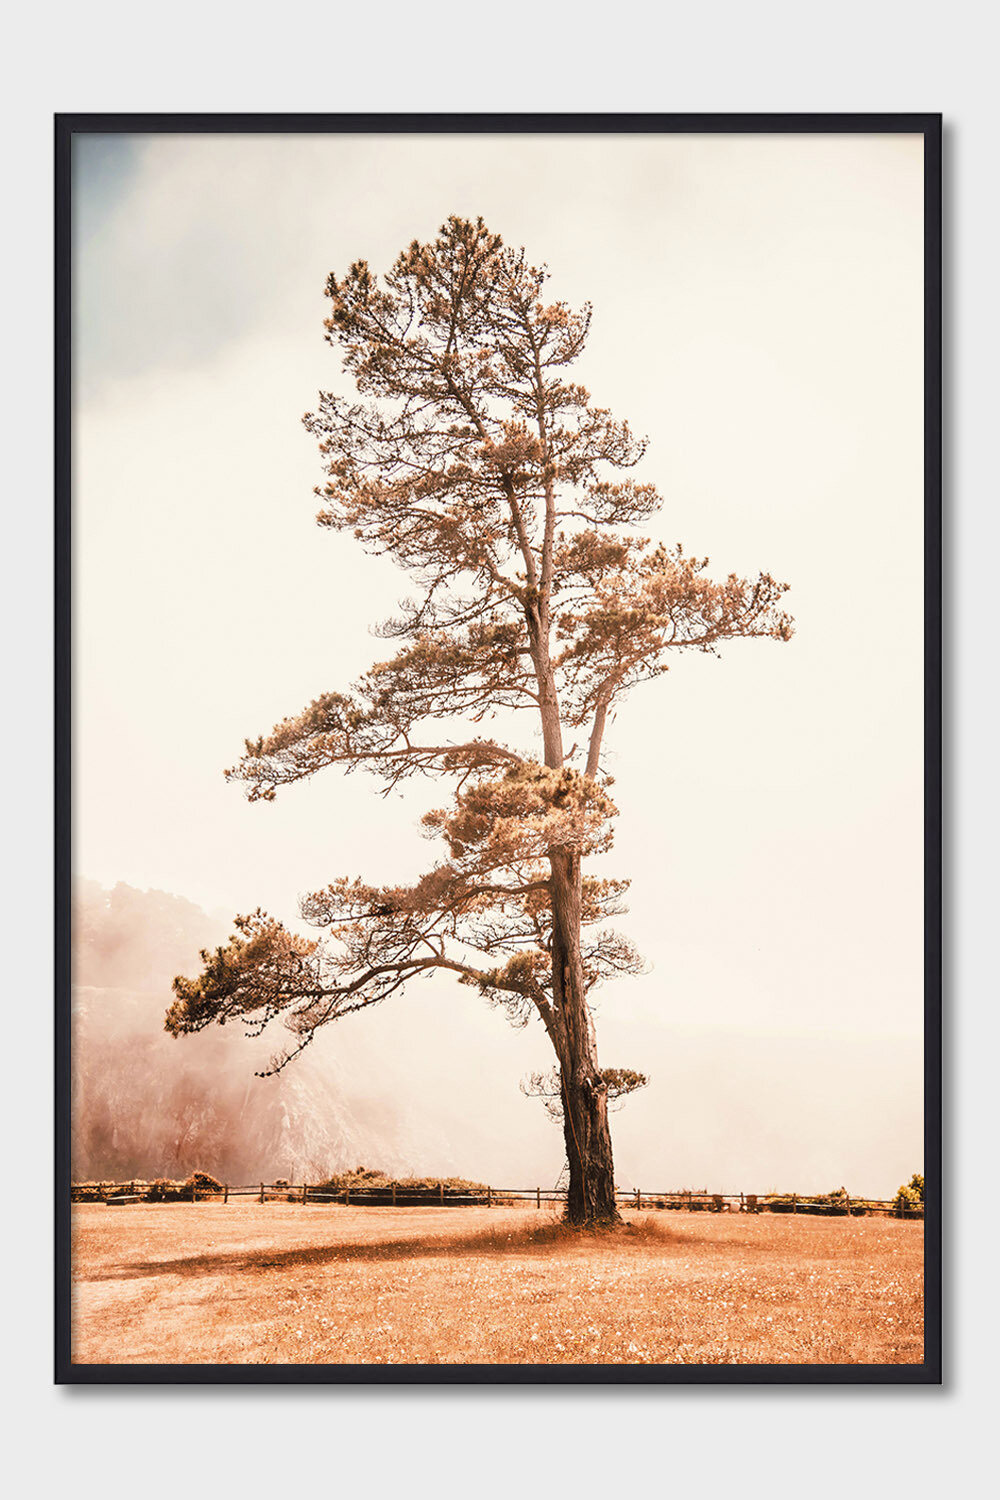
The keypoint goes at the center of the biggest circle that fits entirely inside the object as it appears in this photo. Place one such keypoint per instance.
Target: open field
(292, 1284)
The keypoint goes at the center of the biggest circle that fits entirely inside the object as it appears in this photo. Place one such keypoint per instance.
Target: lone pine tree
(475, 461)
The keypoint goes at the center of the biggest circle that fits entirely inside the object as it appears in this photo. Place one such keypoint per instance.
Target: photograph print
(498, 835)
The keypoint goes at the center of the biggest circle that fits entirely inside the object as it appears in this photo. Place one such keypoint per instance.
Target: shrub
(201, 1183)
(909, 1197)
(162, 1190)
(911, 1194)
(369, 1180)
(88, 1192)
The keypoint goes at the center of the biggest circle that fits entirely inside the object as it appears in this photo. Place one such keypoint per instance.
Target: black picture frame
(929, 126)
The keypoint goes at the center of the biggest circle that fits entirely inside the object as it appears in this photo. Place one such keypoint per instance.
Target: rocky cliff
(147, 1105)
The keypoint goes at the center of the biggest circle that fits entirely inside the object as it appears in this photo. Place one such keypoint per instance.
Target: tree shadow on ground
(536, 1239)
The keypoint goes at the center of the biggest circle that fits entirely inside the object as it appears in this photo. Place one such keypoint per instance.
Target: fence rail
(394, 1196)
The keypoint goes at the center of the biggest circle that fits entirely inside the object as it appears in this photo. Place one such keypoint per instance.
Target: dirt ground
(245, 1283)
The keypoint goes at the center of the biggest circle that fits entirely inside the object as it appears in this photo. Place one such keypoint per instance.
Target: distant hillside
(147, 1105)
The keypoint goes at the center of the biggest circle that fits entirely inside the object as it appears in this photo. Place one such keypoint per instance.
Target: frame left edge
(62, 751)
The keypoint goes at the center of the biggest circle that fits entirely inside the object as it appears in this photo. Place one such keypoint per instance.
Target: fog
(758, 314)
(430, 1085)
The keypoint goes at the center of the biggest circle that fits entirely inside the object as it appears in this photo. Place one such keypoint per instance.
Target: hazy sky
(758, 313)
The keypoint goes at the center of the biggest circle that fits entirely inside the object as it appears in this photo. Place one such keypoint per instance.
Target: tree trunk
(591, 1195)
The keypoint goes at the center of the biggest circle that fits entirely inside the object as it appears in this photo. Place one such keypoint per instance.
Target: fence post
(262, 1192)
(638, 1198)
(795, 1203)
(225, 1192)
(441, 1189)
(489, 1196)
(742, 1205)
(305, 1191)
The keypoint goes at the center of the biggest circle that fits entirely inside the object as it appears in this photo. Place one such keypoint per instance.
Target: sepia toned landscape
(598, 868)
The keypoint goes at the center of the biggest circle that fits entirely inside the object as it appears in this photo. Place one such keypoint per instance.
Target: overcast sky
(758, 313)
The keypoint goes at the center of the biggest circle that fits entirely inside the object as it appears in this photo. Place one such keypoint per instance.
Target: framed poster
(569, 1007)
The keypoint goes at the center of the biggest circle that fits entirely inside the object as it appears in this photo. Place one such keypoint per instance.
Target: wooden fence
(442, 1196)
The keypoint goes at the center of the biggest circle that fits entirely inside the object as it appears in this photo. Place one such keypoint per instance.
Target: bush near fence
(161, 1190)
(367, 1188)
(370, 1185)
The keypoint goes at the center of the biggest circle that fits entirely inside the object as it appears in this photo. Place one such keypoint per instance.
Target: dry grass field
(290, 1284)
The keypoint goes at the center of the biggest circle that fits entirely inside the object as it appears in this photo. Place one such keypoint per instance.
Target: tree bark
(591, 1195)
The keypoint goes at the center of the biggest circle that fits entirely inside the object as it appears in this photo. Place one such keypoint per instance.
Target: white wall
(770, 56)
